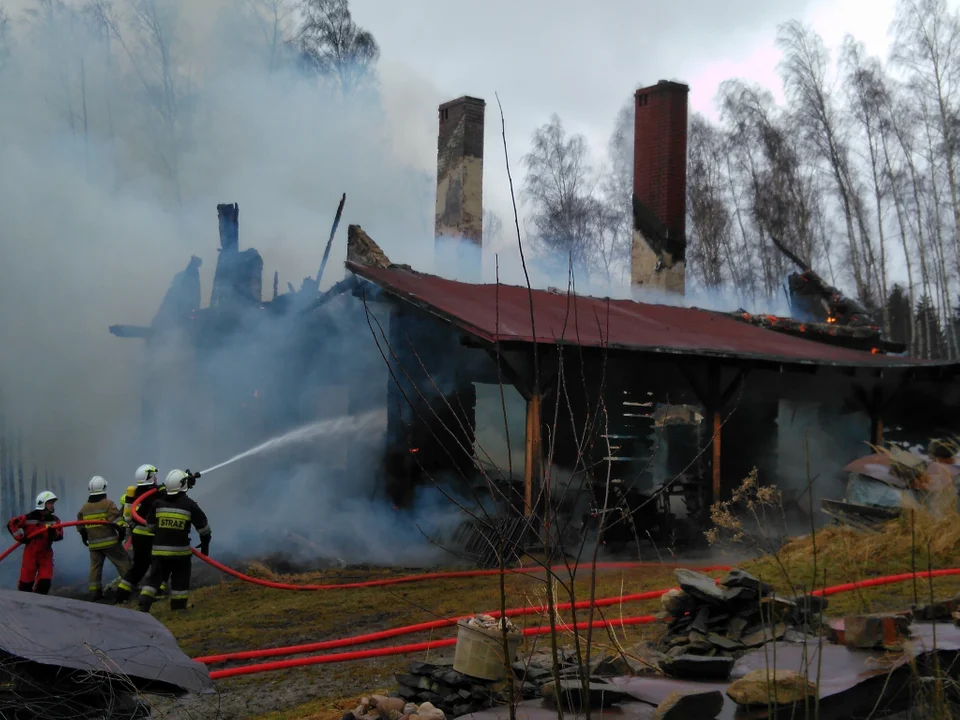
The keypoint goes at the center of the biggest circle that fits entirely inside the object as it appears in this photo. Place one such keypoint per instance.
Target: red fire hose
(42, 530)
(404, 649)
(419, 627)
(409, 578)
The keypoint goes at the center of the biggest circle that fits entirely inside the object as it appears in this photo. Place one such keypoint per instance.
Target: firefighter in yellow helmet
(105, 542)
(146, 478)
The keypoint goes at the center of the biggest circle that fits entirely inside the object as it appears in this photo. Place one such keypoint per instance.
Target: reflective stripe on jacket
(171, 518)
(99, 536)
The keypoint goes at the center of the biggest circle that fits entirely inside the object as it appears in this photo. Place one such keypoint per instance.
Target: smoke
(109, 180)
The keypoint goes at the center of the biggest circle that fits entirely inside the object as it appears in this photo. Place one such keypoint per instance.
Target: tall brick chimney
(658, 258)
(459, 217)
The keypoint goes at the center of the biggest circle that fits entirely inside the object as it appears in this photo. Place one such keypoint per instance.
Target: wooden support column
(714, 410)
(531, 465)
(876, 417)
(715, 462)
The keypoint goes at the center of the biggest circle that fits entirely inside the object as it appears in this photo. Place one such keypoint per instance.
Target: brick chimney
(658, 258)
(459, 217)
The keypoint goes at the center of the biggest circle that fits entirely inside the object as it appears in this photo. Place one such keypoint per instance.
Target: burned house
(585, 384)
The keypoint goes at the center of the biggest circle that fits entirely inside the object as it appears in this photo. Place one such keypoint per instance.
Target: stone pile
(453, 692)
(711, 624)
(381, 707)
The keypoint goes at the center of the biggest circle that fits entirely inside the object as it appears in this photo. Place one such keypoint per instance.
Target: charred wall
(459, 210)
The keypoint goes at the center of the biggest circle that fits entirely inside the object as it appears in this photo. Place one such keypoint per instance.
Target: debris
(762, 687)
(698, 667)
(691, 705)
(570, 694)
(886, 631)
(704, 589)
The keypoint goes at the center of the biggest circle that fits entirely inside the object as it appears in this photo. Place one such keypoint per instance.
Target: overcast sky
(580, 60)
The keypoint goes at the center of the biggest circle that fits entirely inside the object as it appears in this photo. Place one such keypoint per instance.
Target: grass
(846, 555)
(234, 616)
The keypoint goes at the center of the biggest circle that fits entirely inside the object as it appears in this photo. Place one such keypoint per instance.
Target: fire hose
(409, 578)
(434, 644)
(419, 627)
(405, 649)
(45, 528)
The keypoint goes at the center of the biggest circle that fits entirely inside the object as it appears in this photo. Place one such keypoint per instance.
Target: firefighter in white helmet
(105, 542)
(36, 567)
(171, 518)
(146, 479)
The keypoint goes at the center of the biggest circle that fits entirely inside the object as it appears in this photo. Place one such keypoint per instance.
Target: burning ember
(856, 337)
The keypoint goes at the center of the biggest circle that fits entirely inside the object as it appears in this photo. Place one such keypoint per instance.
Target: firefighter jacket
(170, 519)
(98, 537)
(24, 525)
(128, 499)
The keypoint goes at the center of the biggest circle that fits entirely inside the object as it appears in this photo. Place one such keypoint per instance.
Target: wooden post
(715, 465)
(876, 417)
(531, 463)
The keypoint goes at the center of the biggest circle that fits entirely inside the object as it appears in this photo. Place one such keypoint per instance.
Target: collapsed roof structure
(570, 358)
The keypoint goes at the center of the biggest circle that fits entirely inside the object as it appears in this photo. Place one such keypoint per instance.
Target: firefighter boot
(124, 591)
(43, 587)
(97, 595)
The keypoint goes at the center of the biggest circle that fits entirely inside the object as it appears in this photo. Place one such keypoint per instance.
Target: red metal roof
(502, 313)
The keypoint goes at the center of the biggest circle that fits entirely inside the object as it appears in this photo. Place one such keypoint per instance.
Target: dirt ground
(228, 615)
(232, 615)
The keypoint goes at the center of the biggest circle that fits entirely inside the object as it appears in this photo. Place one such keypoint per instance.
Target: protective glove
(205, 546)
(52, 533)
(84, 541)
(121, 532)
(23, 539)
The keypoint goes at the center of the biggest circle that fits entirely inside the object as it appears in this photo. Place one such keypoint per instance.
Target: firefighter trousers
(36, 569)
(177, 568)
(142, 550)
(116, 555)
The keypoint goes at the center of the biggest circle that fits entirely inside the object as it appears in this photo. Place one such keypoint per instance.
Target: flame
(875, 351)
(414, 450)
(831, 319)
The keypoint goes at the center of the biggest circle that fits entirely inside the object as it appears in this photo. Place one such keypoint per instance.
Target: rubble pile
(452, 692)
(713, 623)
(381, 707)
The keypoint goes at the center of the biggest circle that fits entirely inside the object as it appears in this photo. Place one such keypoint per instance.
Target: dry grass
(234, 616)
(238, 616)
(846, 555)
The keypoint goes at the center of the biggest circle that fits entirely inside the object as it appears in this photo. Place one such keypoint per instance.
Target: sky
(581, 61)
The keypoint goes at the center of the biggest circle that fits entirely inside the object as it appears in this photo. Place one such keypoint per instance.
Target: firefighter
(171, 518)
(36, 567)
(105, 542)
(146, 478)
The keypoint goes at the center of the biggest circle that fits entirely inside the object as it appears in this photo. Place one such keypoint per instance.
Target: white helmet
(97, 485)
(146, 475)
(175, 482)
(43, 498)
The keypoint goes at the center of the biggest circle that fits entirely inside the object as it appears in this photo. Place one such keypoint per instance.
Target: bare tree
(334, 46)
(492, 229)
(4, 38)
(804, 70)
(568, 214)
(927, 46)
(710, 219)
(150, 48)
(272, 18)
(866, 97)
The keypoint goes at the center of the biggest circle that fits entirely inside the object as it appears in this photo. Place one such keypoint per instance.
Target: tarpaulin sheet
(100, 638)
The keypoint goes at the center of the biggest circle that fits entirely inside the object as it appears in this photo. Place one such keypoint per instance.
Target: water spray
(333, 426)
